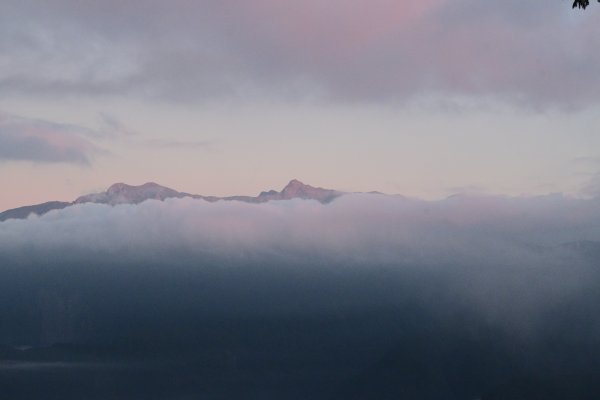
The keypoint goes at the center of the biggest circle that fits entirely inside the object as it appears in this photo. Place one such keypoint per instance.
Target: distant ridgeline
(121, 193)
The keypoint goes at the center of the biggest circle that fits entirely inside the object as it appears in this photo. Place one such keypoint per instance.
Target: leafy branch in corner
(582, 3)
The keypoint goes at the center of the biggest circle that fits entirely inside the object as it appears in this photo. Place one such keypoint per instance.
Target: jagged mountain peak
(122, 193)
(297, 189)
(295, 186)
(295, 182)
(118, 188)
(121, 187)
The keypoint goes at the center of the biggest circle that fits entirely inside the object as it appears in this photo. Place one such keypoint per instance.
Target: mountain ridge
(122, 193)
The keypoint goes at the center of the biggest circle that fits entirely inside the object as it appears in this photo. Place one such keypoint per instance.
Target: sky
(426, 98)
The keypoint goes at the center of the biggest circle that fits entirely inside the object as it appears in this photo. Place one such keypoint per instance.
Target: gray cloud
(178, 144)
(112, 127)
(37, 140)
(592, 186)
(586, 162)
(367, 51)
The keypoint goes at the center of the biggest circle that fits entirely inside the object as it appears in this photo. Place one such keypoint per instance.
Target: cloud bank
(25, 139)
(354, 228)
(367, 294)
(375, 51)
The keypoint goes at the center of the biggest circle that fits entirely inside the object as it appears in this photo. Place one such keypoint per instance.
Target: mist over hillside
(368, 294)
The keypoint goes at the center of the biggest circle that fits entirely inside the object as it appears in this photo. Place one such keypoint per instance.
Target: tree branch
(582, 3)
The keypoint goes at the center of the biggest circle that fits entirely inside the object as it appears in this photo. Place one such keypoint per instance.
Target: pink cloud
(43, 141)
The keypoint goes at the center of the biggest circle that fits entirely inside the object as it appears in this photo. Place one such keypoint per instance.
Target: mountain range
(121, 193)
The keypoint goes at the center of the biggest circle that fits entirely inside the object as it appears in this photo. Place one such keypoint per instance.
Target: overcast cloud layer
(524, 52)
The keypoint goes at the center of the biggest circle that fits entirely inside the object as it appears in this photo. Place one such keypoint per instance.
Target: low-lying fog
(369, 296)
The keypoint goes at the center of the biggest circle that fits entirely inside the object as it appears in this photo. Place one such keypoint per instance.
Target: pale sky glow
(426, 101)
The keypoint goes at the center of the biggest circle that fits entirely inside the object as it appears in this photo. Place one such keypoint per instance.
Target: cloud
(367, 280)
(375, 51)
(178, 144)
(112, 127)
(354, 228)
(586, 162)
(475, 250)
(592, 186)
(25, 139)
